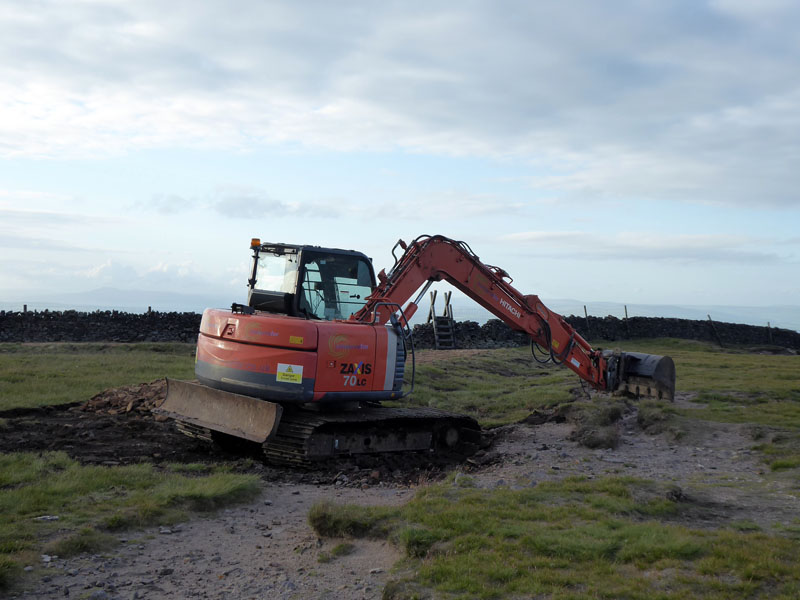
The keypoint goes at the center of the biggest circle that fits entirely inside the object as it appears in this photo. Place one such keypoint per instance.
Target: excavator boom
(437, 258)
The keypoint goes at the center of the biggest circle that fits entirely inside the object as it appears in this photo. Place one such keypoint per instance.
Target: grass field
(45, 374)
(608, 538)
(496, 387)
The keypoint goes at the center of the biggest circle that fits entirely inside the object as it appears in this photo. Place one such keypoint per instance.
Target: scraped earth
(267, 549)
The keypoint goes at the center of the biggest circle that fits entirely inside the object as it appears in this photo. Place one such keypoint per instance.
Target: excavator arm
(437, 258)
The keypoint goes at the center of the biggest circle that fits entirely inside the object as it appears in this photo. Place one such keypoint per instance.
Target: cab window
(333, 286)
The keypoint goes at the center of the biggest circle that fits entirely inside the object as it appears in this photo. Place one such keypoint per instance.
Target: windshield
(334, 286)
(277, 272)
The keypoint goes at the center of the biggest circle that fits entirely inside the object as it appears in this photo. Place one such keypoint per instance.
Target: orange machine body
(296, 360)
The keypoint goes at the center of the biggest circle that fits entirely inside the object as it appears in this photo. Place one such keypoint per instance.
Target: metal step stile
(444, 335)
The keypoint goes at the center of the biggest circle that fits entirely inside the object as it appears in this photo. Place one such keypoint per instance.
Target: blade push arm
(437, 258)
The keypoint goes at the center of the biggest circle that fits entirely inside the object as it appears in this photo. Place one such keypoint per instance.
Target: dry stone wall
(114, 326)
(100, 326)
(495, 334)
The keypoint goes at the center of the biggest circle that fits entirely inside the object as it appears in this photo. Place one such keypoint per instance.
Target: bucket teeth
(640, 387)
(645, 375)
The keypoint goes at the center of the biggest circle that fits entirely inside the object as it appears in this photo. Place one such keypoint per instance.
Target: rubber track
(288, 444)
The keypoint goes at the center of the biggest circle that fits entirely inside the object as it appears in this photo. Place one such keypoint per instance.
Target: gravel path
(262, 550)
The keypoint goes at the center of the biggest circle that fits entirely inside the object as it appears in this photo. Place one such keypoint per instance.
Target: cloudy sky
(640, 152)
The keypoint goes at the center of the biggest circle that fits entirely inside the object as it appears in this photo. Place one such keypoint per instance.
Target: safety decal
(295, 339)
(289, 373)
(575, 362)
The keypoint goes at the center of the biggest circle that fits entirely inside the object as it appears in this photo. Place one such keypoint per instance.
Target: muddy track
(93, 436)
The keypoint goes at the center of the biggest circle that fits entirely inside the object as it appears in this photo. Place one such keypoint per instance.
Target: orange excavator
(303, 367)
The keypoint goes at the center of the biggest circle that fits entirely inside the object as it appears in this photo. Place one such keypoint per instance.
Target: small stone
(165, 531)
(72, 572)
(99, 595)
(375, 571)
(28, 569)
(165, 572)
(46, 558)
(267, 502)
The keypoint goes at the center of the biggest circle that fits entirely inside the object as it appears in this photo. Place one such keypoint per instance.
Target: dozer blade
(646, 375)
(240, 416)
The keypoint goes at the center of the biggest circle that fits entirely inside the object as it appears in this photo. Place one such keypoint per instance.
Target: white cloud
(682, 248)
(656, 100)
(240, 202)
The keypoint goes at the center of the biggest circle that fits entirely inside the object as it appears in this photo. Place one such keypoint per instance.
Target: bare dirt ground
(266, 549)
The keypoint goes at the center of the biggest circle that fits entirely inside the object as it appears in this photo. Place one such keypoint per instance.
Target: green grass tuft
(87, 539)
(339, 550)
(9, 571)
(335, 520)
(785, 463)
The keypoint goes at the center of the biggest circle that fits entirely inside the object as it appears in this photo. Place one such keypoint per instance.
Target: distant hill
(134, 301)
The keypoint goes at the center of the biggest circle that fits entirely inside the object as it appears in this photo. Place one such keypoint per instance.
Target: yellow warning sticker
(295, 339)
(556, 344)
(289, 373)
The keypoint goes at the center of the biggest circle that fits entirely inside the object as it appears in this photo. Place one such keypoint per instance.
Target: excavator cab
(309, 281)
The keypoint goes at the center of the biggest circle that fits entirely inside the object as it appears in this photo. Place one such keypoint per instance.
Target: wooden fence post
(586, 315)
(627, 327)
(716, 334)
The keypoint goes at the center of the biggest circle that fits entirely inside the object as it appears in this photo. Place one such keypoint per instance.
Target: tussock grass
(576, 538)
(90, 501)
(9, 571)
(87, 539)
(344, 520)
(337, 551)
(34, 375)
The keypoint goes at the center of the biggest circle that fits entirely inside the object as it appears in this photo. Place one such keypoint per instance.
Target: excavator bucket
(647, 375)
(240, 416)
